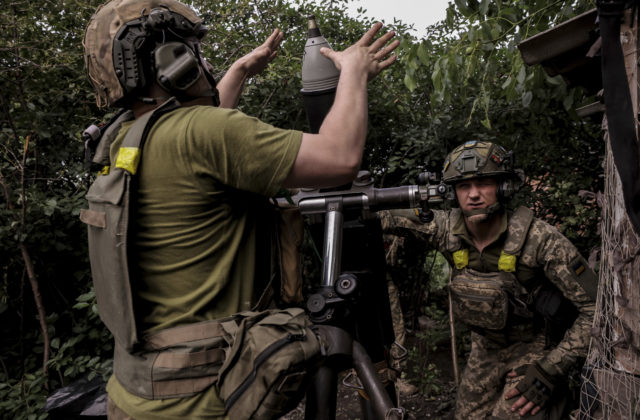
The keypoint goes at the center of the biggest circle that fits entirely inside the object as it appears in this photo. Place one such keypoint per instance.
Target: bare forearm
(345, 127)
(333, 156)
(231, 84)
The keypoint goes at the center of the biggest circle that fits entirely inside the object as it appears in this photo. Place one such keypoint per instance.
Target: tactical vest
(489, 301)
(146, 366)
(179, 361)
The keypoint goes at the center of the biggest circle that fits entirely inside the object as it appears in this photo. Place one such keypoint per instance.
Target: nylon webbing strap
(187, 333)
(518, 229)
(171, 360)
(619, 108)
(137, 134)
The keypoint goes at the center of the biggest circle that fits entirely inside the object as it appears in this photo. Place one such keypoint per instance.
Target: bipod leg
(322, 395)
(381, 403)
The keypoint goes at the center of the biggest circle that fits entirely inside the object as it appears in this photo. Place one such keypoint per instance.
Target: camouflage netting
(611, 388)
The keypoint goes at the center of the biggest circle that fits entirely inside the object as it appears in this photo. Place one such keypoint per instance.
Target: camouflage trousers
(399, 333)
(484, 383)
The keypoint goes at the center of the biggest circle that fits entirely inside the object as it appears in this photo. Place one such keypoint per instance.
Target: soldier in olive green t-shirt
(195, 224)
(206, 170)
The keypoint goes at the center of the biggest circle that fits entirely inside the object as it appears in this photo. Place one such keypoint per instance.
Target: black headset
(161, 46)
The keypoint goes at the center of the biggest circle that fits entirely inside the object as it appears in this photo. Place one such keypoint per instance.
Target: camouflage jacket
(544, 256)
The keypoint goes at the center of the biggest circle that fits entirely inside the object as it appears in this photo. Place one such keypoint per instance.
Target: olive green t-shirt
(202, 180)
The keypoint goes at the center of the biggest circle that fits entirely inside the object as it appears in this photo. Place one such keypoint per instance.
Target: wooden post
(452, 327)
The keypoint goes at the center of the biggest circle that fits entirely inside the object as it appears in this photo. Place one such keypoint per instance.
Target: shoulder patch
(507, 262)
(585, 276)
(461, 258)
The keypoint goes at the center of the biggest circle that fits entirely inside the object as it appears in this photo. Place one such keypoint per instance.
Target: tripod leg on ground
(322, 395)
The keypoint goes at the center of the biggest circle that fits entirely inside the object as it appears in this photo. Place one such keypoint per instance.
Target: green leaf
(463, 8)
(85, 297)
(410, 82)
(555, 81)
(484, 7)
(423, 54)
(522, 74)
(568, 102)
(507, 83)
(55, 343)
(526, 99)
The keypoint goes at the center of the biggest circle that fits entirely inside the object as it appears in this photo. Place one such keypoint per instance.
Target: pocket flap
(94, 218)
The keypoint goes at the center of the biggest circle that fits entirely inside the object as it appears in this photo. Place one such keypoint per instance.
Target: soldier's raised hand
(258, 59)
(368, 56)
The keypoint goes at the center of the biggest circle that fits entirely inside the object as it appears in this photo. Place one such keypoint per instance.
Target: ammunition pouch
(557, 311)
(175, 362)
(260, 362)
(272, 359)
(487, 300)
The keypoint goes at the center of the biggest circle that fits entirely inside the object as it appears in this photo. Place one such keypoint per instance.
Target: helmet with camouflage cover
(476, 159)
(479, 159)
(130, 43)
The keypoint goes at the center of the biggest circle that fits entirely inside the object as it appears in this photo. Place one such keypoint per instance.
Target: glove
(537, 385)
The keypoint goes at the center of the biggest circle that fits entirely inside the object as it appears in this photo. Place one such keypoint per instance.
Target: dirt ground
(421, 405)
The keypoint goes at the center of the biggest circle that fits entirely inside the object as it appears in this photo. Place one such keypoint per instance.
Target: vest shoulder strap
(517, 230)
(453, 242)
(101, 155)
(131, 149)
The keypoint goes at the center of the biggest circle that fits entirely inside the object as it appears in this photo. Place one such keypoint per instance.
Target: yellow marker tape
(105, 170)
(461, 258)
(507, 262)
(128, 159)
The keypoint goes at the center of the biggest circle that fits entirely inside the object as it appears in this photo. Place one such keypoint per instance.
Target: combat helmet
(130, 43)
(479, 159)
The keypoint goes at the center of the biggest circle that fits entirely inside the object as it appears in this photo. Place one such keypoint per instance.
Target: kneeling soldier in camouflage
(521, 287)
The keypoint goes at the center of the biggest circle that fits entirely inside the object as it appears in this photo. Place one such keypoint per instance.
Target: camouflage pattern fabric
(98, 41)
(546, 256)
(398, 326)
(484, 384)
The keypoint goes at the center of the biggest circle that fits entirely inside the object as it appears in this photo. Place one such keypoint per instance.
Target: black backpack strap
(619, 108)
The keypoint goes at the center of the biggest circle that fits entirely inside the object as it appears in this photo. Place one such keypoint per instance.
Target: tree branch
(26, 257)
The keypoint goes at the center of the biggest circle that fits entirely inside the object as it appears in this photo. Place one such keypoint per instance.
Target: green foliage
(470, 82)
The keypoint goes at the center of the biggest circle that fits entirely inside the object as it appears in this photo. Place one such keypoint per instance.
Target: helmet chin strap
(489, 211)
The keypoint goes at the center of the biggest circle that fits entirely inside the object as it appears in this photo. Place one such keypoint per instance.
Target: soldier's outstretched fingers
(370, 35)
(364, 57)
(379, 44)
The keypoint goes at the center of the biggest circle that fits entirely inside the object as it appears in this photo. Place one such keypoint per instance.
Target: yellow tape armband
(507, 262)
(128, 159)
(105, 170)
(461, 258)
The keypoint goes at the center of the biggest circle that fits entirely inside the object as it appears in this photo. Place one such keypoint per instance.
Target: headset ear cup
(451, 196)
(504, 190)
(176, 66)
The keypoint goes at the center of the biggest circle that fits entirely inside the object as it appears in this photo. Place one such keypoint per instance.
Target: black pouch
(557, 311)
